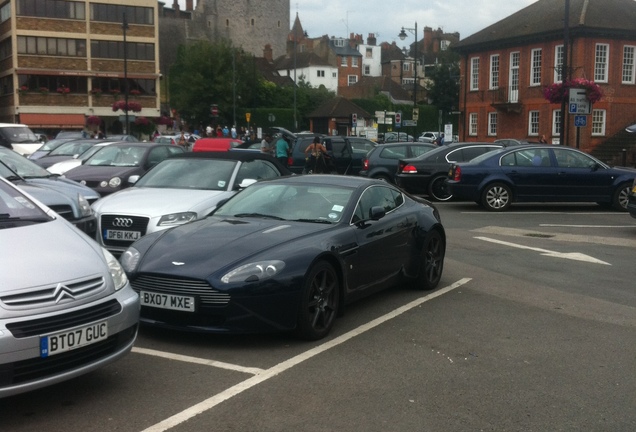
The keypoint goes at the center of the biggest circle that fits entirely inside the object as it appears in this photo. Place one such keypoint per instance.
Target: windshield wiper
(258, 215)
(322, 221)
(7, 218)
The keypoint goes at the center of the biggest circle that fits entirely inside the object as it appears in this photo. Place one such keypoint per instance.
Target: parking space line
(288, 364)
(196, 360)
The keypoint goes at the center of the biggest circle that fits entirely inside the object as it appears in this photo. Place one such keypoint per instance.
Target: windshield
(208, 174)
(117, 156)
(16, 208)
(52, 144)
(11, 162)
(298, 202)
(19, 135)
(72, 148)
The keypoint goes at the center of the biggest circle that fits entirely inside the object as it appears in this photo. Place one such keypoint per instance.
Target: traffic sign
(416, 113)
(354, 119)
(409, 123)
(580, 120)
(579, 103)
(248, 116)
(398, 119)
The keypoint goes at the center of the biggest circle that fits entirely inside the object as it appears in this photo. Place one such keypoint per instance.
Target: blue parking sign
(573, 108)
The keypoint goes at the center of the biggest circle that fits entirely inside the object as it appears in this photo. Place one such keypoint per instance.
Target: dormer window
(339, 42)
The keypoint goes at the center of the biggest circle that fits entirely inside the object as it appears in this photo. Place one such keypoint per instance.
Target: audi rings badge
(122, 222)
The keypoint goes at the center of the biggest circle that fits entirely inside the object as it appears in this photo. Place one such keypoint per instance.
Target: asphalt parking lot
(532, 328)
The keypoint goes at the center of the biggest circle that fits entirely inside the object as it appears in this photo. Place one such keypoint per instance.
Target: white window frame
(556, 122)
(354, 61)
(601, 62)
(629, 53)
(536, 57)
(343, 61)
(352, 79)
(492, 123)
(406, 67)
(533, 123)
(494, 71)
(444, 44)
(474, 73)
(558, 62)
(599, 120)
(472, 124)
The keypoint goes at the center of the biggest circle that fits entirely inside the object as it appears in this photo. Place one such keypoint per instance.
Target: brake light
(457, 174)
(407, 169)
(290, 161)
(365, 164)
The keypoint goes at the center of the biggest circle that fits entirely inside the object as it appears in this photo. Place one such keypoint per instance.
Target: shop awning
(63, 121)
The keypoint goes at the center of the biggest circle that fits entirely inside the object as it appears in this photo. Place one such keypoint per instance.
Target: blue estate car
(540, 173)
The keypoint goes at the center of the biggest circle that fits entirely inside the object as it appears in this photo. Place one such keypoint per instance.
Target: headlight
(177, 219)
(116, 270)
(130, 259)
(85, 207)
(114, 182)
(253, 272)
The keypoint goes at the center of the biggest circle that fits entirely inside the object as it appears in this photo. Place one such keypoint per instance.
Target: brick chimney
(175, 5)
(371, 40)
(189, 5)
(268, 53)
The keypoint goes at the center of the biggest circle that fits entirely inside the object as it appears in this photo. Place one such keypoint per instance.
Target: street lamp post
(125, 27)
(402, 36)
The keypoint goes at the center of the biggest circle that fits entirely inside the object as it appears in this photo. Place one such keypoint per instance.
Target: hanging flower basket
(96, 92)
(63, 90)
(558, 92)
(164, 120)
(115, 92)
(132, 106)
(93, 121)
(135, 92)
(23, 89)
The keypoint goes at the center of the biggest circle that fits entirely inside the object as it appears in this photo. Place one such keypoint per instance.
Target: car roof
(242, 156)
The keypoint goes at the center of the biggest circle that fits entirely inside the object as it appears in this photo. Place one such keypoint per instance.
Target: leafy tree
(443, 89)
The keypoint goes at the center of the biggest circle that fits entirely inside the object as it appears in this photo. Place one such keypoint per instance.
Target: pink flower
(557, 92)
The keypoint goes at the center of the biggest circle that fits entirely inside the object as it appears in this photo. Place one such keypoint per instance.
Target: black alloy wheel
(497, 197)
(319, 303)
(432, 263)
(438, 190)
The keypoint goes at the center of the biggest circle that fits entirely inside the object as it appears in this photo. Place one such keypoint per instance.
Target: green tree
(443, 90)
(211, 73)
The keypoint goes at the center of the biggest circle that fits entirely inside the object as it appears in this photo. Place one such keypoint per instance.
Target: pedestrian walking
(282, 150)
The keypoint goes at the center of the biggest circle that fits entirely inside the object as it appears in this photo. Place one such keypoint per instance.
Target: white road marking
(572, 255)
(288, 364)
(197, 360)
(559, 236)
(587, 226)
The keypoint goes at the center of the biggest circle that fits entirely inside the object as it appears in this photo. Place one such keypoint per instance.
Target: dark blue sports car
(286, 254)
(539, 173)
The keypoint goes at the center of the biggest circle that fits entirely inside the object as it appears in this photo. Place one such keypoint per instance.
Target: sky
(385, 18)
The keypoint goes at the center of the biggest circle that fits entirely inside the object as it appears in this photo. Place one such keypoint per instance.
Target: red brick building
(505, 67)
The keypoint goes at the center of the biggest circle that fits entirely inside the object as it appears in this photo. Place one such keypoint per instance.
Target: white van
(19, 138)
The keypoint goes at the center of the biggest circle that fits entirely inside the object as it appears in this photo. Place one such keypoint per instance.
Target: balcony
(506, 99)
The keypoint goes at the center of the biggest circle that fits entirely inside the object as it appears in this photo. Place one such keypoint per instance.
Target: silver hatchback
(66, 306)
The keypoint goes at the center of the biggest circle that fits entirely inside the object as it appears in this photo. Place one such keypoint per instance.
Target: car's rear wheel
(438, 190)
(432, 263)
(319, 303)
(497, 197)
(383, 177)
(621, 197)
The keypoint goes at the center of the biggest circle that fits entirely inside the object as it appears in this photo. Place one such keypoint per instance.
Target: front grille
(66, 211)
(180, 286)
(55, 323)
(170, 317)
(108, 223)
(59, 293)
(38, 368)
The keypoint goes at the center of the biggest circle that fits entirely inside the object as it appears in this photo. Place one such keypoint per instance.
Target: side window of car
(256, 170)
(419, 150)
(570, 159)
(469, 153)
(373, 197)
(455, 156)
(395, 152)
(157, 155)
(340, 148)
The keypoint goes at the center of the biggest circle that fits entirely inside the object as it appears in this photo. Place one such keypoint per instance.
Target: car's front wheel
(497, 197)
(432, 263)
(319, 303)
(621, 197)
(438, 190)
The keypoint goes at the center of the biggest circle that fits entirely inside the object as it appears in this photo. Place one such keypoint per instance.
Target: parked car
(68, 164)
(428, 137)
(389, 137)
(512, 141)
(427, 174)
(109, 169)
(47, 147)
(73, 315)
(69, 150)
(69, 199)
(19, 137)
(346, 153)
(216, 144)
(381, 162)
(122, 137)
(540, 173)
(178, 190)
(286, 254)
(174, 139)
(631, 201)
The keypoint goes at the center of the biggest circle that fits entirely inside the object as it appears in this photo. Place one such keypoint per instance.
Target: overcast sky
(385, 18)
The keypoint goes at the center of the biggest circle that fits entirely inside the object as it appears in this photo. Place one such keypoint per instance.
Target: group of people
(280, 149)
(221, 132)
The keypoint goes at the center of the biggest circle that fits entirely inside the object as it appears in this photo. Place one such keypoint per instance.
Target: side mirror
(246, 182)
(133, 179)
(377, 213)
